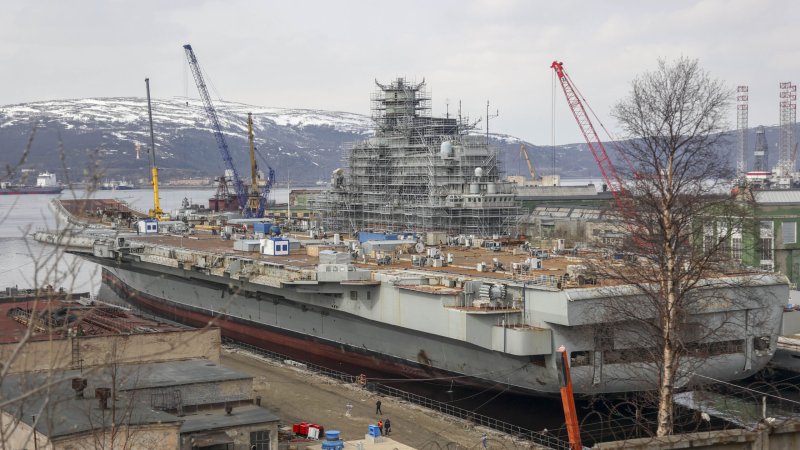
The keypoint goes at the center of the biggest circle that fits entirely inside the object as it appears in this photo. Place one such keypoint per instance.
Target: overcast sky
(325, 54)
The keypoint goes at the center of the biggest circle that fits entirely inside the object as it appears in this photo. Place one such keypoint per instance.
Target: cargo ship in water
(46, 183)
(411, 268)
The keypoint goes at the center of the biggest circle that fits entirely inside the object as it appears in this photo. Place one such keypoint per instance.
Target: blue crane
(239, 186)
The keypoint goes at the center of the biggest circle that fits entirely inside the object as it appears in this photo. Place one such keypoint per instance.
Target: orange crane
(568, 399)
(610, 176)
(523, 151)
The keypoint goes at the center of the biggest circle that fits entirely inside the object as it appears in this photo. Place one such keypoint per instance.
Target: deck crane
(610, 176)
(239, 187)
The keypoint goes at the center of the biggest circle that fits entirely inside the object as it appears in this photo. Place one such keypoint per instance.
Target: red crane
(610, 176)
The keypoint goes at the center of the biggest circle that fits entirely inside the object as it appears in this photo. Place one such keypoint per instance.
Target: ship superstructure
(418, 173)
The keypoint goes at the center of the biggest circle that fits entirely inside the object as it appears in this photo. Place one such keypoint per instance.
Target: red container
(303, 429)
(296, 428)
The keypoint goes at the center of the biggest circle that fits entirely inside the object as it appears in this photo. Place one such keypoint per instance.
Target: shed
(275, 246)
(247, 245)
(147, 226)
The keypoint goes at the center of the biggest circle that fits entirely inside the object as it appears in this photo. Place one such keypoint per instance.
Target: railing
(541, 439)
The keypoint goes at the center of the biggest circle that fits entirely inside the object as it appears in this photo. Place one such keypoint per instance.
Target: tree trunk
(665, 391)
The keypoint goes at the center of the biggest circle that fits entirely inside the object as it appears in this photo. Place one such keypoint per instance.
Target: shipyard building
(418, 173)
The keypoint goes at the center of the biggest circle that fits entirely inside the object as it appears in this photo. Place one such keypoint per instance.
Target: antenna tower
(788, 115)
(742, 111)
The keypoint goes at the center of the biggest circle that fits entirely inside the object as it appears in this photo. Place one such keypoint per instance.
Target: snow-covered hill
(306, 142)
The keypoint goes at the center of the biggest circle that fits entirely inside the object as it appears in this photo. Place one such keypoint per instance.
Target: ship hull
(31, 190)
(305, 324)
(302, 347)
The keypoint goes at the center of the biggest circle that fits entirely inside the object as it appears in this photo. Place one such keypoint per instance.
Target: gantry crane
(156, 212)
(248, 209)
(523, 151)
(610, 176)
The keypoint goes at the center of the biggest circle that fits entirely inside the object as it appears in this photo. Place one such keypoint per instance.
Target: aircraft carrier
(422, 275)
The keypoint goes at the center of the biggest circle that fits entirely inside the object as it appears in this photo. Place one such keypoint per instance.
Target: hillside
(305, 145)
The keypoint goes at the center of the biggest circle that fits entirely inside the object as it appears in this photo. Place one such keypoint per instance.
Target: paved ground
(296, 395)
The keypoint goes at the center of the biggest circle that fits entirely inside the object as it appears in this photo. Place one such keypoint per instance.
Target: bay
(26, 263)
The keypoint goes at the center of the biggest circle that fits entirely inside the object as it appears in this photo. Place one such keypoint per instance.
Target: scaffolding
(788, 112)
(742, 110)
(418, 173)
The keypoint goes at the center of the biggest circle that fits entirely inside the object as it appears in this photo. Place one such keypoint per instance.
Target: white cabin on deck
(275, 246)
(147, 226)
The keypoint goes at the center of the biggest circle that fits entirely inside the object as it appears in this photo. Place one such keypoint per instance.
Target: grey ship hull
(304, 323)
(307, 334)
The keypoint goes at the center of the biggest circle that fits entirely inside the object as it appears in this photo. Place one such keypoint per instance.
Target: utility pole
(496, 114)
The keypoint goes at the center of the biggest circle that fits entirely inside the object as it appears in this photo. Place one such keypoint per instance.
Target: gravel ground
(296, 395)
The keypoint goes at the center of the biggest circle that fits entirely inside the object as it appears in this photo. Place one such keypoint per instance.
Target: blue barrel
(332, 435)
(332, 441)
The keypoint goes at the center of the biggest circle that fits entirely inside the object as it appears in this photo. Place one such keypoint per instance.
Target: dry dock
(296, 395)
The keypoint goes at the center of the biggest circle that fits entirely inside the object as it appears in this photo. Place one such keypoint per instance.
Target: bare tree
(680, 222)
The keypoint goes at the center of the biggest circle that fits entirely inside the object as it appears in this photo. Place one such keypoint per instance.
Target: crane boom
(253, 200)
(156, 212)
(239, 187)
(524, 152)
(610, 176)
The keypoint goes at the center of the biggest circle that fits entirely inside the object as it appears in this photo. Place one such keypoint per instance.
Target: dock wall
(785, 436)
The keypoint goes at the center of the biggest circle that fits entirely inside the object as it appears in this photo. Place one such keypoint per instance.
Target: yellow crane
(523, 151)
(156, 212)
(254, 198)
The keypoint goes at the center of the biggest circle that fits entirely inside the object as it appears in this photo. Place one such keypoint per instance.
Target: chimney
(102, 395)
(78, 385)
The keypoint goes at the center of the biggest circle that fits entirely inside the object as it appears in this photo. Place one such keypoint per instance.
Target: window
(709, 241)
(353, 295)
(761, 343)
(582, 358)
(789, 232)
(766, 249)
(259, 440)
(766, 236)
(736, 245)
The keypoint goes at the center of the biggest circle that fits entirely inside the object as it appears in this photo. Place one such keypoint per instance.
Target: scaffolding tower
(742, 110)
(418, 173)
(788, 111)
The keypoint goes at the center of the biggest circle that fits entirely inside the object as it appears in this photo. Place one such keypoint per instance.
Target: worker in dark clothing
(387, 426)
(378, 407)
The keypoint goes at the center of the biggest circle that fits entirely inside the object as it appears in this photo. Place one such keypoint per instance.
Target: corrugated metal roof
(778, 196)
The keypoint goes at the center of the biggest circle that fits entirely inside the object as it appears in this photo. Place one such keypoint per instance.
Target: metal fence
(541, 439)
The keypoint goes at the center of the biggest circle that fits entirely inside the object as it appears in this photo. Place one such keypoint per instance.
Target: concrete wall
(145, 437)
(199, 394)
(19, 435)
(100, 350)
(783, 437)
